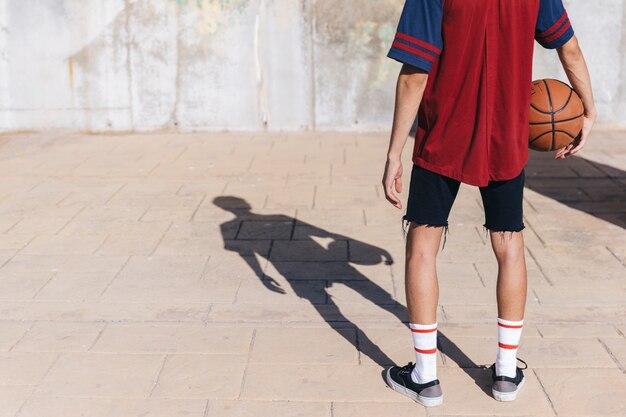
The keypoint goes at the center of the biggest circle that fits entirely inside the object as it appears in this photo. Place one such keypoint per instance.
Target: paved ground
(262, 275)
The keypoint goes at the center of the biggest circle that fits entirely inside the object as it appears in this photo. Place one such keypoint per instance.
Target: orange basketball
(556, 115)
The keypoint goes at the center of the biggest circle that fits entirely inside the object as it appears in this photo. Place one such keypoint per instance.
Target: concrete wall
(235, 64)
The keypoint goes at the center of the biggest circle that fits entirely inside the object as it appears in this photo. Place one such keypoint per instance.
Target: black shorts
(431, 196)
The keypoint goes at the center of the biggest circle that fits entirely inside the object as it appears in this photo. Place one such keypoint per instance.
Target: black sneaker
(506, 388)
(399, 379)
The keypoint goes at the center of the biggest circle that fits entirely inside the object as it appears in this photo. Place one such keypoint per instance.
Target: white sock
(425, 345)
(509, 334)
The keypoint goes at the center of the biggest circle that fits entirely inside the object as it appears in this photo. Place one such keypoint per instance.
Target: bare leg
(511, 287)
(422, 287)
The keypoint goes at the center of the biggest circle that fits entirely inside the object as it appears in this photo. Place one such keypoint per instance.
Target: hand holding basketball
(581, 140)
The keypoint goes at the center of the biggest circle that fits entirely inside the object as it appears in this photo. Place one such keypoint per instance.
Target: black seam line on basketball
(551, 112)
(540, 111)
(558, 121)
(547, 133)
(571, 92)
(546, 112)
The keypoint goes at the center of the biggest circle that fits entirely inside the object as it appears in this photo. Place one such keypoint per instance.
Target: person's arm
(409, 91)
(575, 67)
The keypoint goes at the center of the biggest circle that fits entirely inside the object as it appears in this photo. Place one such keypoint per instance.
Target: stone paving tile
(265, 230)
(288, 196)
(12, 398)
(333, 196)
(619, 251)
(617, 350)
(361, 291)
(277, 290)
(324, 271)
(75, 286)
(201, 376)
(91, 311)
(537, 313)
(602, 390)
(595, 256)
(330, 218)
(467, 392)
(15, 242)
(244, 408)
(537, 352)
(159, 338)
(128, 245)
(20, 368)
(371, 235)
(111, 407)
(63, 245)
(11, 333)
(234, 267)
(580, 238)
(22, 285)
(288, 313)
(101, 375)
(309, 251)
(55, 263)
(608, 295)
(316, 382)
(147, 230)
(304, 346)
(106, 213)
(59, 337)
(403, 408)
(295, 313)
(159, 288)
(585, 276)
(48, 221)
(576, 330)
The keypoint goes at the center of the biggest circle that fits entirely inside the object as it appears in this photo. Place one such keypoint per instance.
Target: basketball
(556, 115)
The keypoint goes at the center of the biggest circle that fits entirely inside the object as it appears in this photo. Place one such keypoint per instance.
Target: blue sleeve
(418, 41)
(553, 26)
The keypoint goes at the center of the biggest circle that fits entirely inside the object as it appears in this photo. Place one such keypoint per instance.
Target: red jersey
(473, 119)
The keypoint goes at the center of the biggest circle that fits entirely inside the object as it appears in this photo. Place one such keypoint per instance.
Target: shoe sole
(425, 401)
(508, 396)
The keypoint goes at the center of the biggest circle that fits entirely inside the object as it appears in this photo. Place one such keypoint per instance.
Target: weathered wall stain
(212, 14)
(235, 64)
(352, 39)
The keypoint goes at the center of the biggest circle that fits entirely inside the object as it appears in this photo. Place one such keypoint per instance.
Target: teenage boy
(467, 77)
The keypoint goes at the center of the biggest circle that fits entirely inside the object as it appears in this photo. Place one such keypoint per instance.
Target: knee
(421, 253)
(507, 246)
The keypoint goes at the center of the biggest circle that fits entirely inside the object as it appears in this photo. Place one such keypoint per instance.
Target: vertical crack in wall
(5, 98)
(311, 41)
(621, 108)
(174, 113)
(260, 40)
(129, 62)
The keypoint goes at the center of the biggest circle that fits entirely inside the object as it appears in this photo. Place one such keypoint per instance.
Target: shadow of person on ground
(310, 262)
(588, 186)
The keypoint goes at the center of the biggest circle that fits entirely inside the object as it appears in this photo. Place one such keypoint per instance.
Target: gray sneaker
(399, 379)
(506, 388)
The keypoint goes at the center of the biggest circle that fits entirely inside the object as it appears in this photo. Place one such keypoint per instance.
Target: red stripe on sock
(426, 350)
(423, 330)
(510, 326)
(502, 345)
